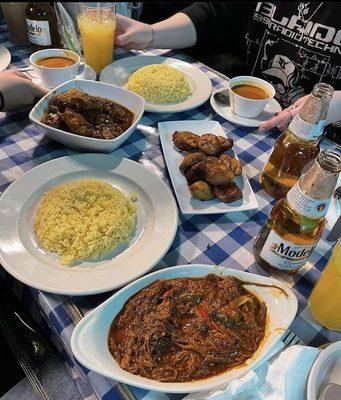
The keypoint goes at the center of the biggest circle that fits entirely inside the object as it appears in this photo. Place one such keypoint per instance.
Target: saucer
(88, 73)
(225, 111)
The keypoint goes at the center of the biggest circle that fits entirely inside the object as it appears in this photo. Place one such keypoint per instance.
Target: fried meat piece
(201, 190)
(209, 144)
(225, 143)
(53, 119)
(185, 141)
(228, 193)
(75, 100)
(196, 172)
(231, 163)
(218, 174)
(191, 159)
(77, 123)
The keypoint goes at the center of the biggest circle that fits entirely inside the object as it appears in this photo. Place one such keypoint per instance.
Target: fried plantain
(218, 174)
(191, 159)
(228, 193)
(201, 190)
(186, 141)
(209, 144)
(196, 172)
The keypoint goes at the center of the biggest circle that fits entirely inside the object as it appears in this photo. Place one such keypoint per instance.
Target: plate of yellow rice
(167, 84)
(85, 224)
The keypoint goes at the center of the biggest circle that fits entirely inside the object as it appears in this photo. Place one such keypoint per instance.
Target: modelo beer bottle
(296, 223)
(296, 149)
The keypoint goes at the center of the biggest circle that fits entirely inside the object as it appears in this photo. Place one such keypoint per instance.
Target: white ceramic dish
(225, 111)
(89, 339)
(86, 73)
(118, 73)
(173, 157)
(124, 97)
(5, 57)
(326, 369)
(157, 221)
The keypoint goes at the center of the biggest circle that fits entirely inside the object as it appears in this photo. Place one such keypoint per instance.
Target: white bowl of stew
(91, 337)
(124, 99)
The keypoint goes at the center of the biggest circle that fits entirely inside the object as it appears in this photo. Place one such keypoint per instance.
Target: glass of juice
(325, 299)
(97, 28)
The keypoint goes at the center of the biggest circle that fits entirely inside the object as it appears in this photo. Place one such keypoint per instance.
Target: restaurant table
(224, 239)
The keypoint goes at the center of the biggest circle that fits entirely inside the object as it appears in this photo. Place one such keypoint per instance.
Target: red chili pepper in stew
(209, 322)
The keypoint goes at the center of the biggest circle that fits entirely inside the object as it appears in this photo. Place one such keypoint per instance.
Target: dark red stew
(185, 329)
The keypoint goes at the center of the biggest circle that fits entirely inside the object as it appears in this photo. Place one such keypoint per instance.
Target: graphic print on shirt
(306, 44)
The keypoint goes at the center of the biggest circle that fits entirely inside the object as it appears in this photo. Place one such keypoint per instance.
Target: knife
(335, 233)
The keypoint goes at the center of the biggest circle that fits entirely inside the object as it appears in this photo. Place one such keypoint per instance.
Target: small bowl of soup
(249, 95)
(55, 66)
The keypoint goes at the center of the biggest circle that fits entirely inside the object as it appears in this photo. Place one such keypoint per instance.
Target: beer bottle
(296, 223)
(42, 26)
(296, 149)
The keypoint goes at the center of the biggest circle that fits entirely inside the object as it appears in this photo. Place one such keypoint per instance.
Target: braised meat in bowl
(185, 329)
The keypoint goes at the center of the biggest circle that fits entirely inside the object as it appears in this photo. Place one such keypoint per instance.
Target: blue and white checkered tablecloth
(209, 239)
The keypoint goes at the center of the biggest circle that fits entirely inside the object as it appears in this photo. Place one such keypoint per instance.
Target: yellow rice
(84, 219)
(159, 83)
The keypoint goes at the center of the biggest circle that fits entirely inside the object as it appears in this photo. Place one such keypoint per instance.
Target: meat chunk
(77, 123)
(191, 159)
(185, 141)
(225, 143)
(228, 193)
(209, 144)
(109, 130)
(218, 174)
(75, 100)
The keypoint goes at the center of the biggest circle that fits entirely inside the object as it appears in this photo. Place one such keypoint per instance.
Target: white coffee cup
(245, 107)
(52, 77)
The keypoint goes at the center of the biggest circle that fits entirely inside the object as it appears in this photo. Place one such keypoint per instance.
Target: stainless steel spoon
(222, 97)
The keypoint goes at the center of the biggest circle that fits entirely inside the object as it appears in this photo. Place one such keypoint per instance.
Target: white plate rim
(205, 81)
(172, 229)
(239, 121)
(5, 58)
(325, 354)
(190, 271)
(211, 210)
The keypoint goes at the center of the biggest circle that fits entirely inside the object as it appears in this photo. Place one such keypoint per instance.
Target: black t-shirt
(293, 45)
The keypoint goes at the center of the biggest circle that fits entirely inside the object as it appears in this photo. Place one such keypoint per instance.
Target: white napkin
(282, 377)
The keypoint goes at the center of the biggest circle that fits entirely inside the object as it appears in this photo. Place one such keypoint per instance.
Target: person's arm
(175, 32)
(281, 119)
(201, 23)
(18, 91)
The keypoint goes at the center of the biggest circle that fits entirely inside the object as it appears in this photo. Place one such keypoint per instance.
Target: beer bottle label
(285, 255)
(38, 32)
(305, 130)
(305, 205)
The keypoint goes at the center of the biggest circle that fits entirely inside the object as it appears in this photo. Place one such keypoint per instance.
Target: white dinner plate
(87, 73)
(5, 57)
(225, 111)
(89, 340)
(173, 157)
(325, 370)
(157, 220)
(118, 73)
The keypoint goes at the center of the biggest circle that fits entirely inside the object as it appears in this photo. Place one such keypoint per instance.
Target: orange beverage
(97, 28)
(325, 299)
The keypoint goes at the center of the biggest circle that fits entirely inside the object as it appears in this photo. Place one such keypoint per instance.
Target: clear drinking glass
(97, 28)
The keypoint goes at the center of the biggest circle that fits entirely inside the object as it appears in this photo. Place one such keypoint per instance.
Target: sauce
(55, 62)
(250, 91)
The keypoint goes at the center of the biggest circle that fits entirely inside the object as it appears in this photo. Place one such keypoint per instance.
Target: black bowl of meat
(185, 329)
(88, 115)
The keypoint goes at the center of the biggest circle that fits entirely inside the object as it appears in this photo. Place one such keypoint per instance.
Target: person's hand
(18, 90)
(132, 34)
(282, 119)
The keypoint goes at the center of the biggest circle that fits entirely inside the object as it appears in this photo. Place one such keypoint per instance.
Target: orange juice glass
(325, 299)
(97, 28)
